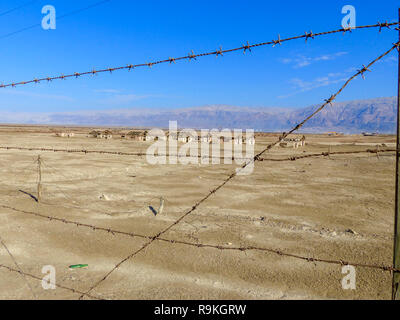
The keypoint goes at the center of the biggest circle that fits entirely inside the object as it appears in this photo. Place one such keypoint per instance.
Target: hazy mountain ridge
(378, 115)
(352, 116)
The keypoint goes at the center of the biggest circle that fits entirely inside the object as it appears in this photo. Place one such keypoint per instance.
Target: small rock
(104, 197)
(351, 231)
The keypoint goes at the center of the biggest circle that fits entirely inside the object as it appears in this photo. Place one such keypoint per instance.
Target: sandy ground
(304, 207)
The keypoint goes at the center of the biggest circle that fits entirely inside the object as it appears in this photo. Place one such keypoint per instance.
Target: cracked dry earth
(338, 207)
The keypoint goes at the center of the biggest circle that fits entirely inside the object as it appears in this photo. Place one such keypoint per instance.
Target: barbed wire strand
(234, 174)
(292, 158)
(109, 213)
(192, 56)
(196, 244)
(326, 154)
(18, 267)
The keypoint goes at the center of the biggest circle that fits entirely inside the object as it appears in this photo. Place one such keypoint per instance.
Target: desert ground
(339, 207)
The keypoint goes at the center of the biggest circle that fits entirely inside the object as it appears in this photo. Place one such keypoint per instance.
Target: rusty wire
(142, 154)
(119, 153)
(18, 266)
(217, 53)
(328, 101)
(139, 154)
(200, 245)
(325, 154)
(77, 224)
(193, 56)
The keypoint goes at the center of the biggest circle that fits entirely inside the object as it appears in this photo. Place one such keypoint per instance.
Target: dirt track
(305, 207)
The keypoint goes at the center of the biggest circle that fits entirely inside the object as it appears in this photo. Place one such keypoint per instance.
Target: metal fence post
(396, 254)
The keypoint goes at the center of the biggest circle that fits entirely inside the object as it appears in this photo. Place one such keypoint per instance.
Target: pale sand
(306, 207)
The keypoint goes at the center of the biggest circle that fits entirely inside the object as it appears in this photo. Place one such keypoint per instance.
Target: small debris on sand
(160, 209)
(351, 231)
(78, 266)
(104, 197)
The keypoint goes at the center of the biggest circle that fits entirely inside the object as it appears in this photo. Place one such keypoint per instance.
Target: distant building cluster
(335, 134)
(186, 138)
(296, 142)
(107, 134)
(370, 134)
(65, 134)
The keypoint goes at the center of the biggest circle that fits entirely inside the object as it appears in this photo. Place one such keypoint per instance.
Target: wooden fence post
(39, 185)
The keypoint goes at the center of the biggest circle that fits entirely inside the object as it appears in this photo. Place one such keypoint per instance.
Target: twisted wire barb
(201, 245)
(327, 102)
(119, 153)
(193, 56)
(142, 154)
(77, 224)
(234, 174)
(326, 154)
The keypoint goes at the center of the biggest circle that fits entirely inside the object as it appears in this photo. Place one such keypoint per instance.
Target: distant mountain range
(374, 115)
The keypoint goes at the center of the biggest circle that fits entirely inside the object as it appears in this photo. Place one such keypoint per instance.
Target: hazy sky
(122, 32)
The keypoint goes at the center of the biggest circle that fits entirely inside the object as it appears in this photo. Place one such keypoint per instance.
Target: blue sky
(122, 32)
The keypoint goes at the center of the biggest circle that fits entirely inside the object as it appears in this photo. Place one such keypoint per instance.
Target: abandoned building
(65, 134)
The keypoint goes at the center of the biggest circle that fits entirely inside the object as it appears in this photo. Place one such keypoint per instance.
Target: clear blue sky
(122, 32)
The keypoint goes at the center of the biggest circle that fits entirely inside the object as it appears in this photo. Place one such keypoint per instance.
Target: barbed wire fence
(115, 232)
(257, 158)
(18, 266)
(192, 56)
(143, 154)
(327, 102)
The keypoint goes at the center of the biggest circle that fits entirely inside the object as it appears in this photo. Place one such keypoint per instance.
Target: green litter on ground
(79, 266)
